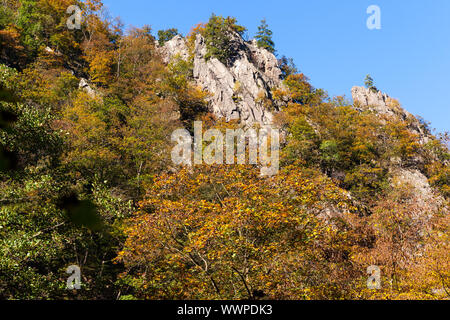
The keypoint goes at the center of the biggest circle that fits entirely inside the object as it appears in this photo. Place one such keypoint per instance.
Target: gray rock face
(266, 62)
(175, 47)
(375, 100)
(240, 90)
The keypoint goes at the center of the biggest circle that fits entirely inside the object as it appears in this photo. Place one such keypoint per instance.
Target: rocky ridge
(238, 90)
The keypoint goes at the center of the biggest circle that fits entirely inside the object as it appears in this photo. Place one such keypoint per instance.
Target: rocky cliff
(238, 90)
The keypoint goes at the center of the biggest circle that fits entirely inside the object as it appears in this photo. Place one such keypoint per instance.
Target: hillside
(88, 177)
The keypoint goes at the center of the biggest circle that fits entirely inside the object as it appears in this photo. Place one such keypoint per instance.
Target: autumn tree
(40, 236)
(226, 234)
(86, 176)
(407, 231)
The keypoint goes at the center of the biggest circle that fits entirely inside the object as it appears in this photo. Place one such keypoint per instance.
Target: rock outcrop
(382, 104)
(239, 90)
(175, 47)
(375, 100)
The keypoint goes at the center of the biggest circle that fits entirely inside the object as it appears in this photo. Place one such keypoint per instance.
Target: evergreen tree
(264, 37)
(368, 82)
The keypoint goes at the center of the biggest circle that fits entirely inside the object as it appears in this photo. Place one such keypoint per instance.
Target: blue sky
(409, 58)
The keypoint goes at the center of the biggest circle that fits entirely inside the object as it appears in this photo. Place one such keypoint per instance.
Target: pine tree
(369, 83)
(264, 37)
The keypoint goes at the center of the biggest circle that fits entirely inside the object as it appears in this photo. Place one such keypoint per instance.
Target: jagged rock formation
(238, 91)
(382, 104)
(175, 47)
(374, 100)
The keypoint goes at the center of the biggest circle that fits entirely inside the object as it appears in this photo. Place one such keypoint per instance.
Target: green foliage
(81, 213)
(181, 72)
(329, 154)
(6, 16)
(38, 242)
(366, 183)
(33, 22)
(6, 76)
(219, 33)
(66, 84)
(43, 23)
(304, 141)
(166, 35)
(353, 147)
(179, 86)
(264, 37)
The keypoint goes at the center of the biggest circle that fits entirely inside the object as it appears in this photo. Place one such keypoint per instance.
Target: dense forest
(86, 176)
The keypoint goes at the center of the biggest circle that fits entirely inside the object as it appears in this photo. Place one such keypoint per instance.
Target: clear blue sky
(409, 58)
